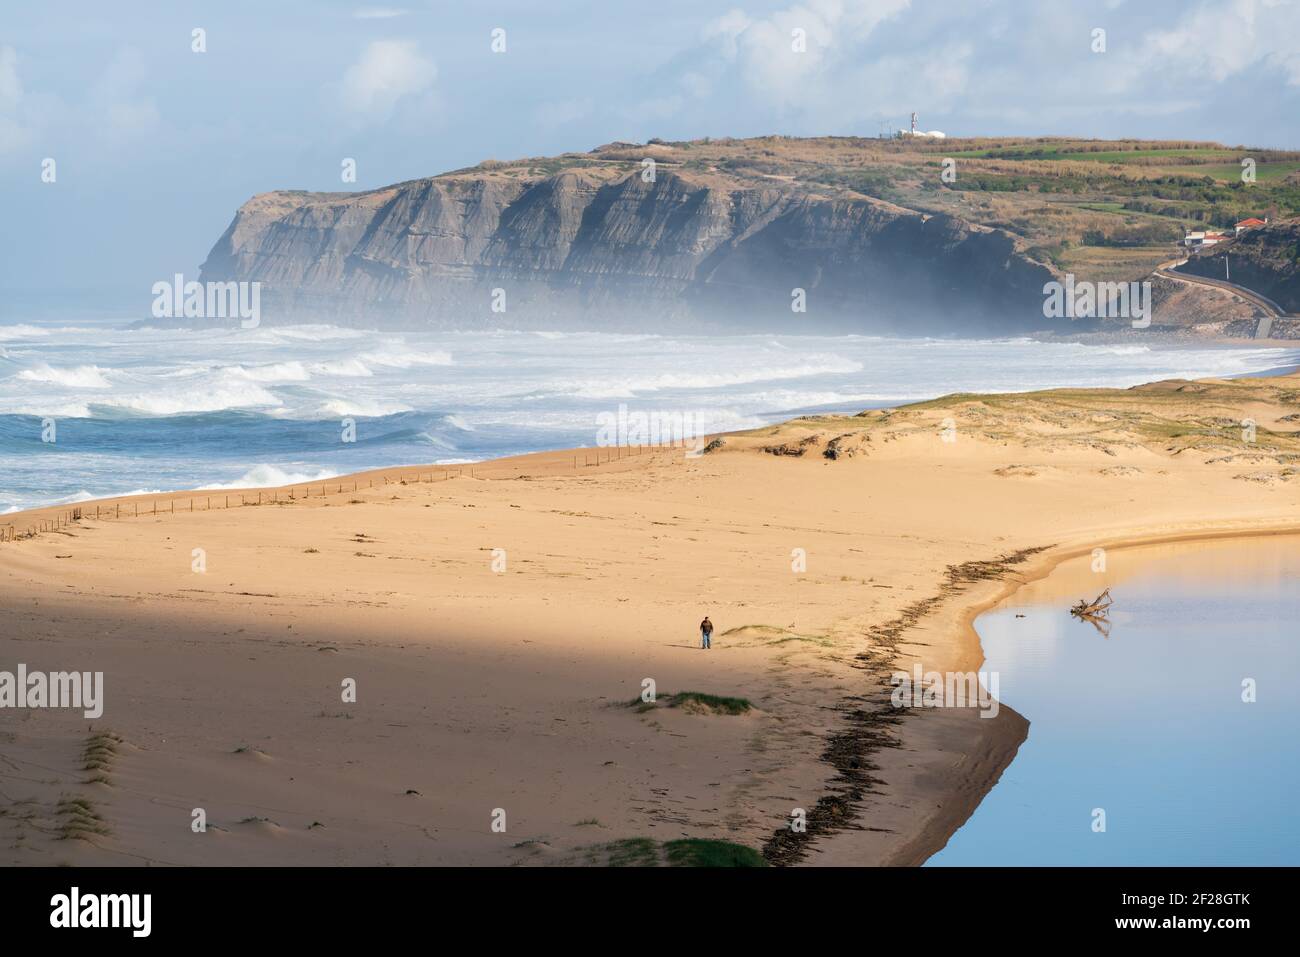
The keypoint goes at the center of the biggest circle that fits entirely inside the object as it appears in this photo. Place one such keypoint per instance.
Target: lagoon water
(165, 407)
(1149, 724)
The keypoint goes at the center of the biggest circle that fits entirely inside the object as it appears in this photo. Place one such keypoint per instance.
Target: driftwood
(1097, 606)
(1095, 612)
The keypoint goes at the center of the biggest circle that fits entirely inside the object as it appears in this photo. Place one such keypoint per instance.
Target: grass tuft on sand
(686, 852)
(711, 702)
(703, 852)
(697, 701)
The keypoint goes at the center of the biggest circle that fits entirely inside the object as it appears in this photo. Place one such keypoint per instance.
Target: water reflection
(1148, 723)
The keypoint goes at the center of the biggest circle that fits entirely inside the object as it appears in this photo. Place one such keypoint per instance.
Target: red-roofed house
(1251, 223)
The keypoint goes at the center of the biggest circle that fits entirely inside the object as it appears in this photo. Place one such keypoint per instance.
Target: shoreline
(140, 484)
(545, 463)
(457, 469)
(1007, 596)
(935, 835)
(899, 569)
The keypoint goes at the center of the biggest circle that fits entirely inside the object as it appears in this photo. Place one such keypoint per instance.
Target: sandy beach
(499, 622)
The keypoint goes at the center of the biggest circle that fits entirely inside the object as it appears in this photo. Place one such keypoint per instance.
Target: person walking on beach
(706, 632)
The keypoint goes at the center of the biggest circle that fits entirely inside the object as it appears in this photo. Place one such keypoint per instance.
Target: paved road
(1270, 309)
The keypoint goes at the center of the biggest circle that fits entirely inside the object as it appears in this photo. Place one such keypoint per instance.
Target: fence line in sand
(9, 532)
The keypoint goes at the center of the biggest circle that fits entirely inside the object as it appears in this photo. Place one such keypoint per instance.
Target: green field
(1106, 209)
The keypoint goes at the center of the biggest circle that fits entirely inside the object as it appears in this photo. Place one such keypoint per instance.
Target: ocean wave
(21, 331)
(270, 476)
(709, 379)
(437, 441)
(65, 410)
(312, 332)
(367, 408)
(216, 398)
(293, 371)
(407, 359)
(348, 368)
(1124, 350)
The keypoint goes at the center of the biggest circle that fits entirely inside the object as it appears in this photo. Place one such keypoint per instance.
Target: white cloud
(791, 58)
(560, 112)
(378, 13)
(11, 88)
(117, 107)
(1216, 41)
(13, 132)
(386, 71)
(1022, 62)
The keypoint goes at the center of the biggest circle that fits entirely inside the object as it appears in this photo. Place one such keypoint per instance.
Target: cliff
(1265, 260)
(597, 246)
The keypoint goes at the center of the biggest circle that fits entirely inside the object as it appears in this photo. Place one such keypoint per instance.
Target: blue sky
(157, 145)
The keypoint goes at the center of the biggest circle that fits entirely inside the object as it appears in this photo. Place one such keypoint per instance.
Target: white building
(1201, 239)
(932, 134)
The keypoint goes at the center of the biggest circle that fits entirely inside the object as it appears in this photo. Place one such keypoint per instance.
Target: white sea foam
(351, 368)
(477, 393)
(272, 372)
(213, 398)
(312, 333)
(76, 377)
(709, 378)
(367, 408)
(271, 476)
(20, 331)
(406, 360)
(52, 410)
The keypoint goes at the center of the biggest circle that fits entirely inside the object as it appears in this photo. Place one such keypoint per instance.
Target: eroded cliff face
(1266, 260)
(604, 249)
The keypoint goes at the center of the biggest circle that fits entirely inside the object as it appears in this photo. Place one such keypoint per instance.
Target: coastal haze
(386, 395)
(158, 408)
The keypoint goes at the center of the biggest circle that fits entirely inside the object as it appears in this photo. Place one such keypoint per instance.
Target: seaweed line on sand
(871, 718)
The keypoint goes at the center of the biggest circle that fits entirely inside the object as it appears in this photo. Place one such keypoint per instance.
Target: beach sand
(483, 688)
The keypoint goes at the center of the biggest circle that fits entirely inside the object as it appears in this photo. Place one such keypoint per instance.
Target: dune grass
(703, 852)
(718, 703)
(686, 852)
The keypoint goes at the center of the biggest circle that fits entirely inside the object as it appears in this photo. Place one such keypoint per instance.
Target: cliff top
(1108, 209)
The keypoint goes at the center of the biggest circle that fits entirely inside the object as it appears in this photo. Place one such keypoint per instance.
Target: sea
(103, 406)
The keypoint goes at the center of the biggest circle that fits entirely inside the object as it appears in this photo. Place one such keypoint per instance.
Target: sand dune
(499, 625)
